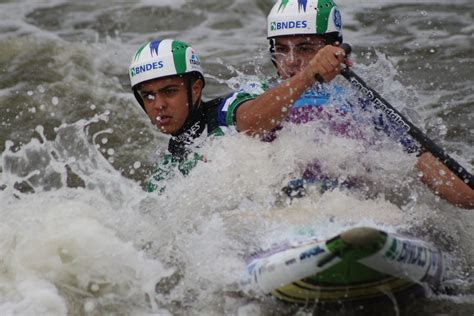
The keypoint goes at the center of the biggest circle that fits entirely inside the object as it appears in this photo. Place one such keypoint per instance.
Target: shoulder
(247, 91)
(228, 105)
(213, 103)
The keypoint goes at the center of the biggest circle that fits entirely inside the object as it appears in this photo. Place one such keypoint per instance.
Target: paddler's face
(294, 52)
(166, 101)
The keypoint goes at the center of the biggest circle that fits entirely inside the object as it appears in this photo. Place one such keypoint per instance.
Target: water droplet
(92, 107)
(104, 140)
(94, 287)
(137, 164)
(39, 129)
(110, 151)
(89, 307)
(30, 93)
(55, 100)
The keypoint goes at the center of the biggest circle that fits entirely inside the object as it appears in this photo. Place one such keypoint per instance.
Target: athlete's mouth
(163, 119)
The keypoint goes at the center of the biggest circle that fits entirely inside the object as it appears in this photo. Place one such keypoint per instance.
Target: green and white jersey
(167, 169)
(230, 104)
(181, 157)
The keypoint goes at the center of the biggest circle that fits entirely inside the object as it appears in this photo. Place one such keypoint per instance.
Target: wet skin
(166, 101)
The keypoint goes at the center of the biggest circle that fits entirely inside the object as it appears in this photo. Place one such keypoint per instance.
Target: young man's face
(166, 101)
(294, 52)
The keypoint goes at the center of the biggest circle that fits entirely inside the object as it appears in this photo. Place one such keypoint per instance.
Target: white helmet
(163, 58)
(294, 17)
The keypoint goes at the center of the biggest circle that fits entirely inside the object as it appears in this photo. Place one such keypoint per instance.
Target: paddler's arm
(261, 115)
(264, 113)
(444, 182)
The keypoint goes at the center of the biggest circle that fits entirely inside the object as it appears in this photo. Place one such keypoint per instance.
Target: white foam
(59, 244)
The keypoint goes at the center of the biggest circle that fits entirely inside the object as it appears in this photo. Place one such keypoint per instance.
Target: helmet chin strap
(191, 129)
(194, 111)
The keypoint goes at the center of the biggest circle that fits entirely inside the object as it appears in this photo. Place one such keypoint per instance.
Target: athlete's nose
(291, 66)
(158, 102)
(292, 60)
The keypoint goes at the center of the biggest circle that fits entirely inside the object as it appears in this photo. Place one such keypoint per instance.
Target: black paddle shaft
(396, 117)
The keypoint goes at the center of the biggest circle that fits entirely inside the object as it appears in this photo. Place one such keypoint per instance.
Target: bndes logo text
(289, 25)
(147, 67)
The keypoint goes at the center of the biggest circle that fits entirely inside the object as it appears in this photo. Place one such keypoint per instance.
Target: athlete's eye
(170, 91)
(309, 48)
(281, 49)
(147, 96)
(306, 49)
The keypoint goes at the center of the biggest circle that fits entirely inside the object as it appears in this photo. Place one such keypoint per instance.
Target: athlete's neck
(193, 127)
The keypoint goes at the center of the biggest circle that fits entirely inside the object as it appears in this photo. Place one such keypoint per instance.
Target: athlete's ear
(198, 85)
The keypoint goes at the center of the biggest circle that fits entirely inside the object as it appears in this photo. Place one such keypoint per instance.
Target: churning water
(79, 236)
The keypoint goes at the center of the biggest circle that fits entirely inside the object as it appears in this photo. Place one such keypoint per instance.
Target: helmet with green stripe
(299, 17)
(163, 58)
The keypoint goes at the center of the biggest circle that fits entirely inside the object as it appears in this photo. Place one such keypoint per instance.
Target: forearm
(444, 182)
(269, 109)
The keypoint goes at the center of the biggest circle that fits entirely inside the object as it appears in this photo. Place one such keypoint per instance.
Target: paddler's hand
(328, 63)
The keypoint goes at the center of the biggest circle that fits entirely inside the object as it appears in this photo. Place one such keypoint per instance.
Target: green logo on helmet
(273, 26)
(283, 5)
(139, 51)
